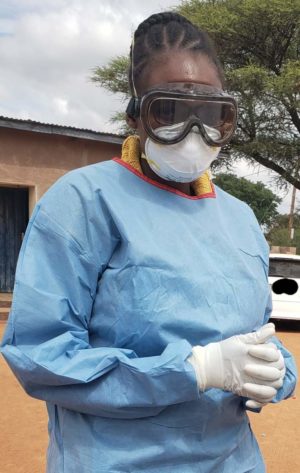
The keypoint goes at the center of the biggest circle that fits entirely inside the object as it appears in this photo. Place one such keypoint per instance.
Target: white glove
(255, 404)
(242, 364)
(256, 352)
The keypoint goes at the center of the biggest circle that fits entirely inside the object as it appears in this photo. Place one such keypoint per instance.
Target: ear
(132, 122)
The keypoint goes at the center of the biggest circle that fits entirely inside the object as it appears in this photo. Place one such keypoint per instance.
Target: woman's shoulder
(76, 196)
(92, 174)
(241, 217)
(233, 203)
(84, 180)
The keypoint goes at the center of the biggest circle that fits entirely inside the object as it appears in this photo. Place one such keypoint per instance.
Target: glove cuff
(214, 366)
(197, 360)
(207, 362)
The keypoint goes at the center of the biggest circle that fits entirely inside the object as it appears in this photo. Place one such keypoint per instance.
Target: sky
(48, 49)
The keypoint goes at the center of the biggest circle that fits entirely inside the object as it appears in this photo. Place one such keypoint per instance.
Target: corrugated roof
(49, 128)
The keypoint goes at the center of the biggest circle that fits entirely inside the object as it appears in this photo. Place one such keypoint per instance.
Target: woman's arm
(46, 342)
(290, 379)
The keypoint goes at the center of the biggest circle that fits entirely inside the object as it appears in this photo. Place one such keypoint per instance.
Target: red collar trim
(211, 194)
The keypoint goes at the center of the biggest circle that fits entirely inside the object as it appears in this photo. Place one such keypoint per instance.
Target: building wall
(37, 160)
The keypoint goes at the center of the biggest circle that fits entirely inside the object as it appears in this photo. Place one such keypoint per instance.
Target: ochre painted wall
(37, 160)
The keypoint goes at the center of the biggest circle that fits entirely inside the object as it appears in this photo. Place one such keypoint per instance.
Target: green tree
(114, 78)
(278, 234)
(259, 44)
(262, 200)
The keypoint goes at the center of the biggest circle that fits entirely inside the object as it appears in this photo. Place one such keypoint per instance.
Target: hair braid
(163, 32)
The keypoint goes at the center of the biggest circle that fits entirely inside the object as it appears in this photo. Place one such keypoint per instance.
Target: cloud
(47, 52)
(61, 105)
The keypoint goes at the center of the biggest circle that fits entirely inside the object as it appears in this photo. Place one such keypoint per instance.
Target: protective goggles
(170, 111)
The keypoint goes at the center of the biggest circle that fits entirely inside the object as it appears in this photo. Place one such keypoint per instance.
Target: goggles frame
(139, 107)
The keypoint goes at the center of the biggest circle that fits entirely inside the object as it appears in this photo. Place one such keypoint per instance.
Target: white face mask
(184, 161)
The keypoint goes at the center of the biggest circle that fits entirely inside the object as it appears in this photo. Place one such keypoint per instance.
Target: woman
(141, 289)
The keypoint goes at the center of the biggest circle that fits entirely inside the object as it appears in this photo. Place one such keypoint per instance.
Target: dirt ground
(23, 434)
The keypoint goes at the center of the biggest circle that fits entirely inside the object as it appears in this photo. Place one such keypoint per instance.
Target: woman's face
(179, 66)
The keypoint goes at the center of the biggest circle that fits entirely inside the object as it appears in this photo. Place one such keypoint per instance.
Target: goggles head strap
(133, 108)
(132, 67)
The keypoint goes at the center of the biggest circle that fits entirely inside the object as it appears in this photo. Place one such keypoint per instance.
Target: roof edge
(51, 129)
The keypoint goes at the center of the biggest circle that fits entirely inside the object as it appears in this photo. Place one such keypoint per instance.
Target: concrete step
(5, 304)
(4, 311)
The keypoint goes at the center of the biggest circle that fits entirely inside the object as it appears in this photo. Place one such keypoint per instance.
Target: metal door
(13, 223)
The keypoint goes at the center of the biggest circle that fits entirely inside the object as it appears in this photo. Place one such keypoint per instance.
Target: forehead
(179, 66)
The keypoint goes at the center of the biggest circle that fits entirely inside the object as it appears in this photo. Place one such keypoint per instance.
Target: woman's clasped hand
(243, 364)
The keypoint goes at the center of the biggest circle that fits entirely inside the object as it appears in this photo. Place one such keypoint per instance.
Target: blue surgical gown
(116, 280)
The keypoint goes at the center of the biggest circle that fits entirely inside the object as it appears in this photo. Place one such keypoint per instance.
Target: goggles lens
(172, 111)
(219, 115)
(182, 106)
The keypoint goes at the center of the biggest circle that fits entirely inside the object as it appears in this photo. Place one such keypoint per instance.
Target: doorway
(14, 215)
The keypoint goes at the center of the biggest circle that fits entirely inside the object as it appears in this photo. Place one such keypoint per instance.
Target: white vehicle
(284, 280)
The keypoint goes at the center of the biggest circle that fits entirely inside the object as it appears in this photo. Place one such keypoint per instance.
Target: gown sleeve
(290, 378)
(46, 342)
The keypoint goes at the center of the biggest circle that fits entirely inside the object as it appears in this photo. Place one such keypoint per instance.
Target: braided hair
(163, 32)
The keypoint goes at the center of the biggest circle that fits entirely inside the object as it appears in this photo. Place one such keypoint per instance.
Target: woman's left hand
(251, 403)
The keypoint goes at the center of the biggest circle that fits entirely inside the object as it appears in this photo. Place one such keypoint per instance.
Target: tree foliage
(258, 42)
(113, 76)
(262, 200)
(279, 235)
